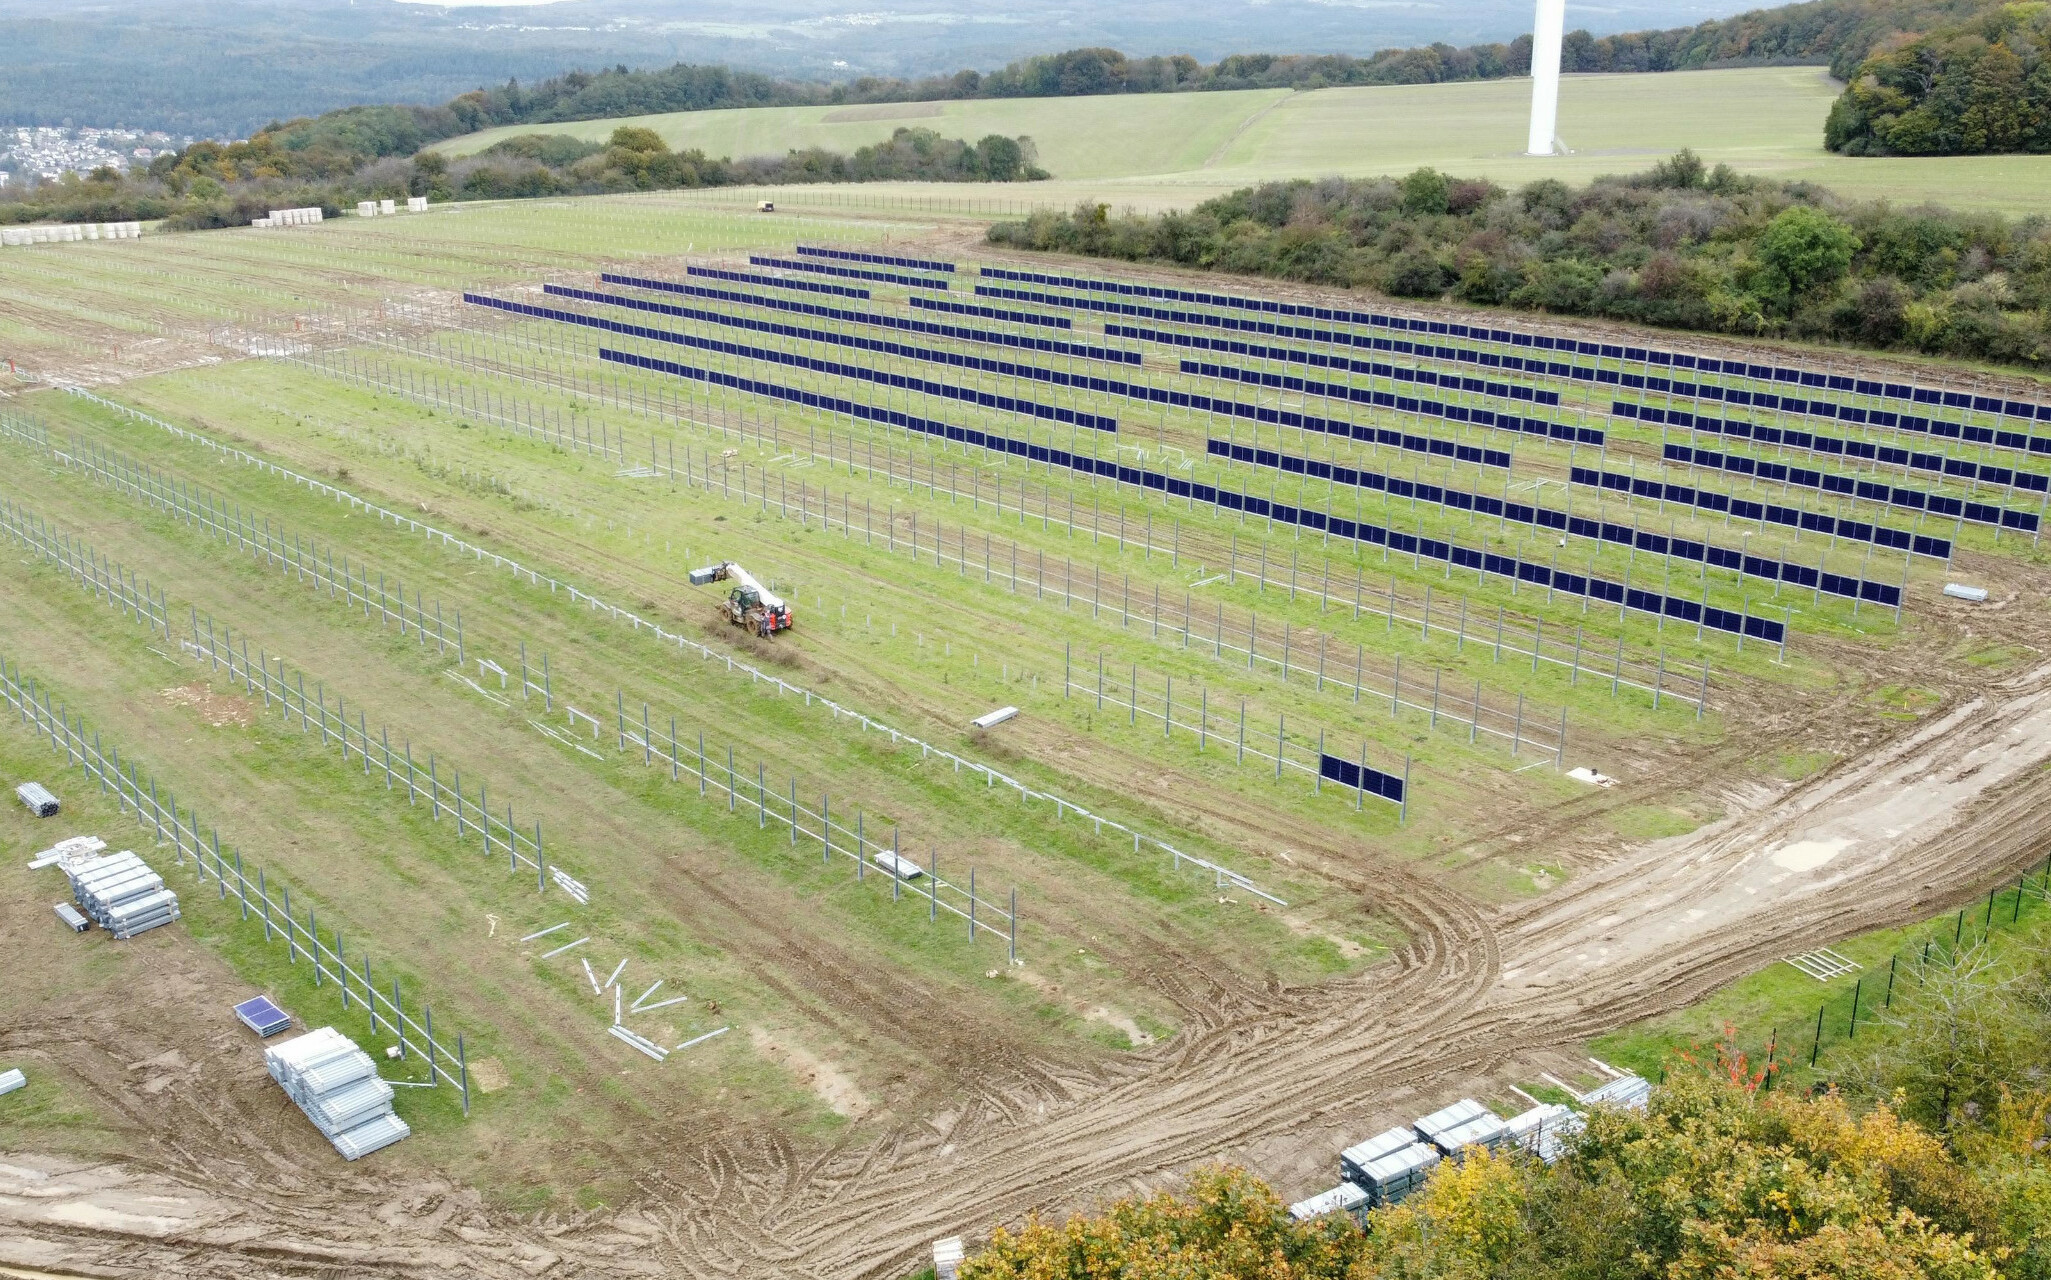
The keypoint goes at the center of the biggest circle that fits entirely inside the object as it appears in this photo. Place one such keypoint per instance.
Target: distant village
(49, 153)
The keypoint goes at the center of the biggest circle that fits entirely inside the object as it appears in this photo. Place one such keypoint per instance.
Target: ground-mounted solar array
(1348, 646)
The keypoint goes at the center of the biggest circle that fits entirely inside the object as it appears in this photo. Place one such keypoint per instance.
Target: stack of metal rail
(336, 1085)
(1464, 1124)
(1388, 1166)
(121, 894)
(1628, 1092)
(1543, 1131)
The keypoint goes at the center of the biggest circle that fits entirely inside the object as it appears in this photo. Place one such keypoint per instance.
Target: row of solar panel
(1805, 477)
(1572, 372)
(1318, 360)
(804, 286)
(1766, 629)
(1850, 486)
(1543, 342)
(879, 259)
(1390, 400)
(1158, 395)
(1906, 459)
(1879, 535)
(1348, 774)
(1547, 518)
(990, 313)
(1018, 342)
(846, 273)
(832, 368)
(1999, 437)
(2034, 481)
(934, 355)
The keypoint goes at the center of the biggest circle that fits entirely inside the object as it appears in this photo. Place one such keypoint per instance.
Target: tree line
(224, 185)
(1681, 246)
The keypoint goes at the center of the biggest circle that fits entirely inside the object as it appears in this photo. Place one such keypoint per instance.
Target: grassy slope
(1169, 150)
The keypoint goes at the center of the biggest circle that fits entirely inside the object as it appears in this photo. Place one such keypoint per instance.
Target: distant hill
(227, 67)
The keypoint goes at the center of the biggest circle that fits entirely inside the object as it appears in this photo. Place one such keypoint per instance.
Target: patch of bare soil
(218, 709)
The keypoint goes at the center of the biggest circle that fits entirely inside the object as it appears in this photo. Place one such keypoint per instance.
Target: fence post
(1817, 1047)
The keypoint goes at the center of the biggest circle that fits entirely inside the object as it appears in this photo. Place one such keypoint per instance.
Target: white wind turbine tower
(1546, 33)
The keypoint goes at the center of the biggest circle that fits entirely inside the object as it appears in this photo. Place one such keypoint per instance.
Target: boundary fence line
(133, 792)
(228, 523)
(613, 447)
(755, 674)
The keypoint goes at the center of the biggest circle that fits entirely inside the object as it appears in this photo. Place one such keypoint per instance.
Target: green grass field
(1162, 151)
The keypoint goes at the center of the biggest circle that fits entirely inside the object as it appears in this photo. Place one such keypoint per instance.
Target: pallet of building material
(1388, 1179)
(1449, 1118)
(1631, 1093)
(1544, 1130)
(12, 1079)
(1355, 1159)
(1487, 1130)
(1345, 1198)
(38, 799)
(71, 917)
(335, 1083)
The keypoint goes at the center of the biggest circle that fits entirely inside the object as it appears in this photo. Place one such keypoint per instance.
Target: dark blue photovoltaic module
(262, 1017)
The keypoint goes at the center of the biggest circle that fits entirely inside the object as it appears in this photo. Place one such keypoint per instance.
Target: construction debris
(77, 849)
(947, 1256)
(38, 799)
(994, 718)
(336, 1084)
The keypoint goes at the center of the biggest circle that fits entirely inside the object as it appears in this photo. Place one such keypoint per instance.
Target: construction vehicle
(751, 604)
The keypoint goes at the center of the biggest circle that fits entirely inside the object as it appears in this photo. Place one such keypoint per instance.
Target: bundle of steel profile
(122, 895)
(336, 1084)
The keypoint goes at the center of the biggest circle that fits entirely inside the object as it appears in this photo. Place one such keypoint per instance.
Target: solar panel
(261, 1016)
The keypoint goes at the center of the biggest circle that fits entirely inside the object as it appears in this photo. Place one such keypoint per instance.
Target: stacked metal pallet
(1543, 1131)
(1464, 1124)
(1388, 1166)
(1631, 1093)
(121, 894)
(38, 799)
(336, 1085)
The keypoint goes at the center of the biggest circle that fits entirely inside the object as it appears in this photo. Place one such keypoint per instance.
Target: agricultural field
(1399, 708)
(1152, 152)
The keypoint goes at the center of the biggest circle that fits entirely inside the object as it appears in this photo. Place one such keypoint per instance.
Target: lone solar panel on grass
(261, 1016)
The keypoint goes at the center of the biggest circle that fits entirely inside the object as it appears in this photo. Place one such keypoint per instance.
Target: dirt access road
(1893, 831)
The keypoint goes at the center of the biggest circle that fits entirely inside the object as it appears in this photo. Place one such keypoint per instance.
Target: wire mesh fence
(137, 795)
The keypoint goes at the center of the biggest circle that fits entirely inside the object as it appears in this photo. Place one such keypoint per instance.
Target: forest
(1682, 246)
(1967, 88)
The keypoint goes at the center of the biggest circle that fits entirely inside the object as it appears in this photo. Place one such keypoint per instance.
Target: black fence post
(1851, 1031)
(1888, 1003)
(1817, 1047)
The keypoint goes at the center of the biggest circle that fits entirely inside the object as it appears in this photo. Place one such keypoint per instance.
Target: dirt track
(1892, 832)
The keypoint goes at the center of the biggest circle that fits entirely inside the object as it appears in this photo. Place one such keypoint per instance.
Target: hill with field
(1162, 151)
